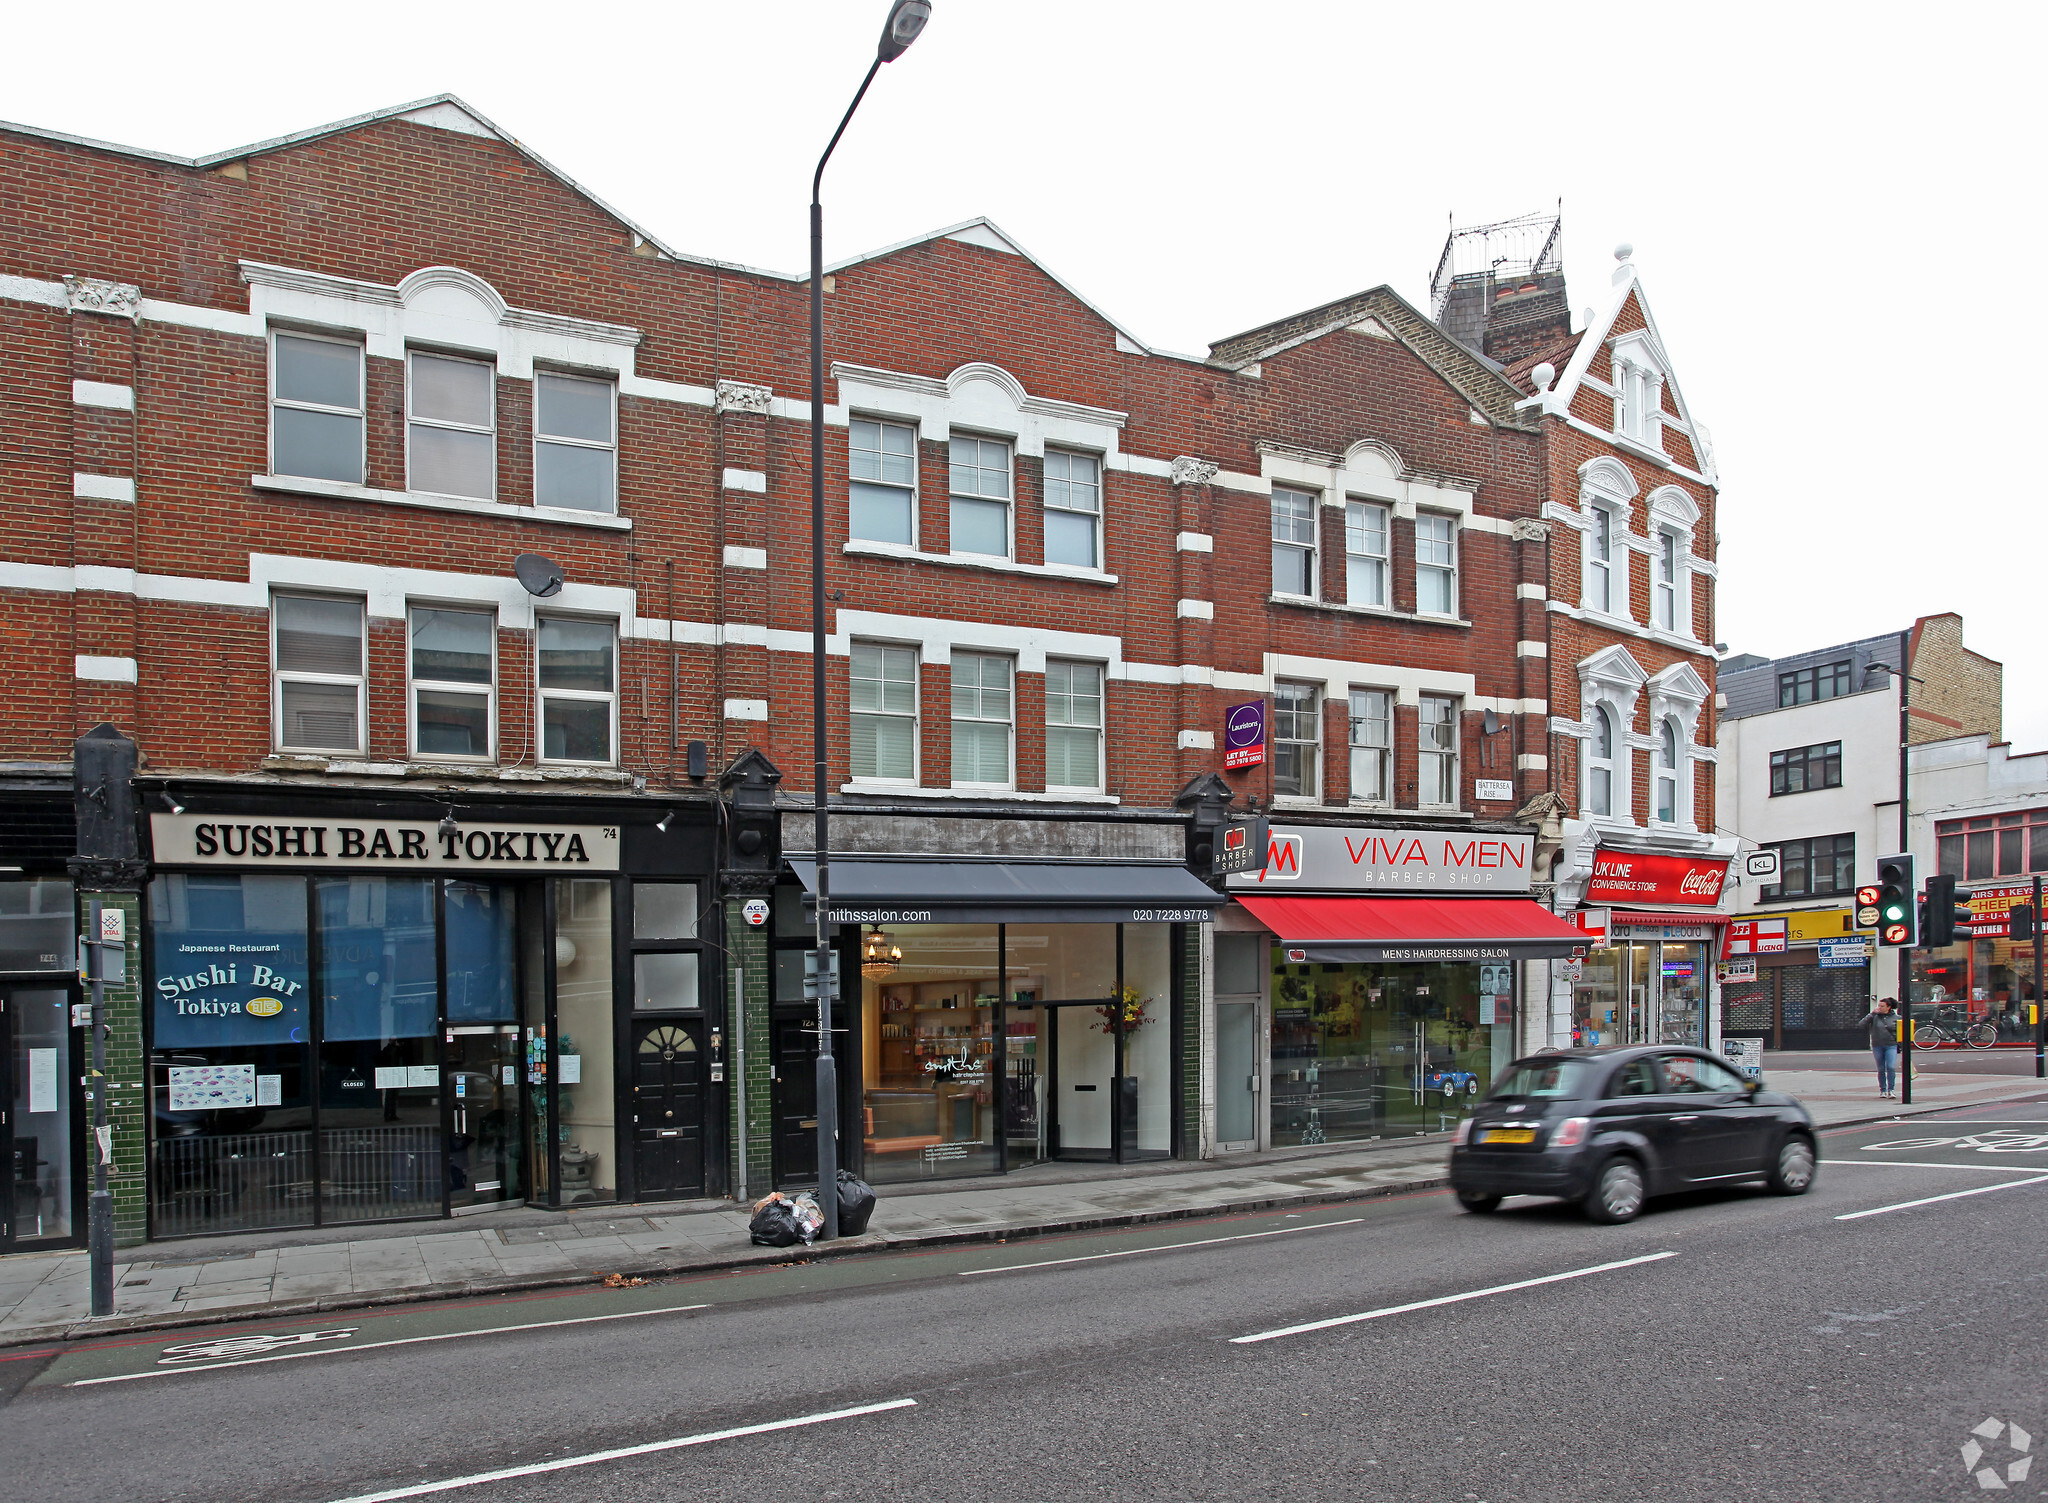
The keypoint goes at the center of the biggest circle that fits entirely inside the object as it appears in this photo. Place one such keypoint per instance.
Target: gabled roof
(1478, 380)
(442, 111)
(1557, 401)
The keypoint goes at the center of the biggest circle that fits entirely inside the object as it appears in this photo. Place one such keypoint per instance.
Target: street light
(907, 19)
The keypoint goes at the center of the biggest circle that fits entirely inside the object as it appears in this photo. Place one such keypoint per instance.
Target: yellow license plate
(1508, 1135)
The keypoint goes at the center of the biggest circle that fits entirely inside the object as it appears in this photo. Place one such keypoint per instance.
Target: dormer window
(1638, 403)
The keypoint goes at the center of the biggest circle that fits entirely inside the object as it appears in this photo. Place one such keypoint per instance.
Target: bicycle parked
(1952, 1025)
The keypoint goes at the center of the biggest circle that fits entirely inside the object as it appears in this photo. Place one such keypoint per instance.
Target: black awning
(1011, 892)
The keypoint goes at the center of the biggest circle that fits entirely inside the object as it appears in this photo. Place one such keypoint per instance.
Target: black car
(1611, 1127)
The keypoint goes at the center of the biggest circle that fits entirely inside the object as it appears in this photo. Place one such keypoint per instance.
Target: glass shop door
(39, 1114)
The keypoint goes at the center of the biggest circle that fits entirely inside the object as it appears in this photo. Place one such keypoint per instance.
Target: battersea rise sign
(381, 844)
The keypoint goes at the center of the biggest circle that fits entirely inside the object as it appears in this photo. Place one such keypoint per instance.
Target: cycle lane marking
(1448, 1299)
(622, 1453)
(1907, 1205)
(1916, 1164)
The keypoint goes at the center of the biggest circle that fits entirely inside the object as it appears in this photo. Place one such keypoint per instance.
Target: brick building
(427, 526)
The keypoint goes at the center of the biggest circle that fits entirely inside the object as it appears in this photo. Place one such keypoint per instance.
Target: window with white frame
(450, 665)
(1297, 740)
(1600, 560)
(882, 693)
(1294, 542)
(1365, 553)
(1436, 753)
(451, 441)
(577, 669)
(317, 649)
(1600, 763)
(316, 407)
(980, 482)
(1372, 746)
(575, 442)
(1436, 564)
(1668, 747)
(1073, 725)
(983, 699)
(1073, 509)
(881, 500)
(1637, 400)
(1664, 586)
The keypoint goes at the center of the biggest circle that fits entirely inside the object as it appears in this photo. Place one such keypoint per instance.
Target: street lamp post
(906, 19)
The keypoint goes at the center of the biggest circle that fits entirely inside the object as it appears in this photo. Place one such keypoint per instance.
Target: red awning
(1663, 916)
(1416, 929)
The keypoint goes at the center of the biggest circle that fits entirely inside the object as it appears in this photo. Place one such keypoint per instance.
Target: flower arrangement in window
(1128, 1003)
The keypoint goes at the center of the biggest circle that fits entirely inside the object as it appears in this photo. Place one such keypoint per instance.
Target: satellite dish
(540, 574)
(1489, 723)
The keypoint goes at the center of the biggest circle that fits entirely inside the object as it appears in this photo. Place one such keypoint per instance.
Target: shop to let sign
(1653, 877)
(1244, 734)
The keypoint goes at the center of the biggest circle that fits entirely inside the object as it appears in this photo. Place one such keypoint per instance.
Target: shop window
(980, 479)
(1073, 509)
(575, 443)
(451, 426)
(1436, 747)
(1294, 542)
(1667, 772)
(1803, 769)
(881, 501)
(1073, 726)
(1297, 740)
(1805, 686)
(1600, 561)
(577, 673)
(1600, 763)
(883, 693)
(1821, 867)
(318, 652)
(1365, 553)
(983, 700)
(316, 407)
(1436, 564)
(587, 1127)
(38, 924)
(452, 663)
(1372, 746)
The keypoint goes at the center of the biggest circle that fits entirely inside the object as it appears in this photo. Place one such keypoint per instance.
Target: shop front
(1649, 975)
(994, 1014)
(369, 1018)
(1367, 982)
(1797, 980)
(1981, 990)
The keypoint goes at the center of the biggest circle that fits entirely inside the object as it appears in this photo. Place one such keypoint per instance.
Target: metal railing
(237, 1182)
(371, 1173)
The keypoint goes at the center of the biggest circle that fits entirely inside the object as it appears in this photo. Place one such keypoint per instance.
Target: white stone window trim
(1614, 679)
(340, 490)
(1675, 516)
(1313, 547)
(1455, 569)
(1677, 694)
(273, 401)
(489, 431)
(1008, 500)
(1098, 518)
(610, 383)
(1454, 755)
(1101, 727)
(862, 547)
(1008, 722)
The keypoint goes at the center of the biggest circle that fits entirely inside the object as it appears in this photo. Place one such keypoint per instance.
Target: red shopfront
(1648, 977)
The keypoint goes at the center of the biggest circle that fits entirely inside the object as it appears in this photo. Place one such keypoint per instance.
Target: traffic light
(1948, 912)
(1896, 926)
(2020, 920)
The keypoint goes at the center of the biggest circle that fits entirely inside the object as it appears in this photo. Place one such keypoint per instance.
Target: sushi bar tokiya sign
(1337, 858)
(388, 845)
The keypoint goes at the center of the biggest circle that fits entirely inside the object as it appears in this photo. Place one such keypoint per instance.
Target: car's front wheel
(1478, 1204)
(1617, 1193)
(1791, 1172)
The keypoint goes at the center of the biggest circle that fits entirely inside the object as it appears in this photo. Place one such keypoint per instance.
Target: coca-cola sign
(1640, 877)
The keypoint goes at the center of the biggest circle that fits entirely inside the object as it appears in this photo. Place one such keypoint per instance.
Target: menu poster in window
(235, 988)
(209, 1088)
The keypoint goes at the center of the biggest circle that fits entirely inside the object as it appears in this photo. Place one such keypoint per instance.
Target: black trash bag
(856, 1204)
(775, 1224)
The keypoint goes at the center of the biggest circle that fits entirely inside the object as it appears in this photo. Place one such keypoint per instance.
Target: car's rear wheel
(1478, 1204)
(1617, 1193)
(1791, 1172)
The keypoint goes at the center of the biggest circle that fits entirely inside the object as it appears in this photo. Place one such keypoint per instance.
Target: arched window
(1600, 763)
(1667, 773)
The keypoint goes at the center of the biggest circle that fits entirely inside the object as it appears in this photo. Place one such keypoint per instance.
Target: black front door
(668, 1107)
(793, 1045)
(39, 1114)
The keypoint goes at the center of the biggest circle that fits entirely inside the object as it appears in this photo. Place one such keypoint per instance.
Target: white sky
(1812, 192)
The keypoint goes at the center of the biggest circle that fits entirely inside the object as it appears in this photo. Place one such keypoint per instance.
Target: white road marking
(1907, 1205)
(371, 1346)
(623, 1452)
(1913, 1164)
(1132, 1252)
(1450, 1299)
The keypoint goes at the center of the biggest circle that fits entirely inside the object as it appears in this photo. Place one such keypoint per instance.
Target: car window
(1690, 1074)
(1636, 1078)
(1558, 1078)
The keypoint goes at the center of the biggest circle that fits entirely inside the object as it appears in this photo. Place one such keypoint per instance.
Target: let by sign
(1244, 734)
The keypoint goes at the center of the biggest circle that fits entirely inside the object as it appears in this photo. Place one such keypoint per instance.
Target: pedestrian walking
(1883, 1023)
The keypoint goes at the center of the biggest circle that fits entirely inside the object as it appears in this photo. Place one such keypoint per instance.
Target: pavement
(164, 1285)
